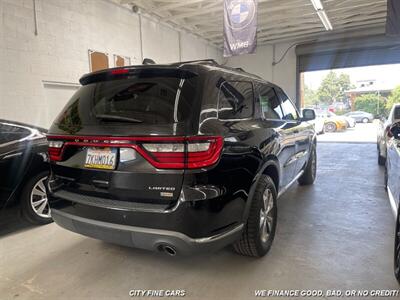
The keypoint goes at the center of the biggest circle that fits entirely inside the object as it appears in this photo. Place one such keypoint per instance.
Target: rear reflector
(161, 152)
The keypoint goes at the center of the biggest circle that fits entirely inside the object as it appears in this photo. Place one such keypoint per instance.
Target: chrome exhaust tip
(167, 249)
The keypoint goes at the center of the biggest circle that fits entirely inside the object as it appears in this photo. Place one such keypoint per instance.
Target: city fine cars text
(157, 293)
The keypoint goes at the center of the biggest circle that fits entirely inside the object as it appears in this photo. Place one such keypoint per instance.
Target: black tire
(330, 127)
(310, 171)
(27, 210)
(381, 160)
(256, 240)
(385, 178)
(365, 120)
(397, 248)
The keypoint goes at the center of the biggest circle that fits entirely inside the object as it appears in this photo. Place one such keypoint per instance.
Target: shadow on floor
(12, 222)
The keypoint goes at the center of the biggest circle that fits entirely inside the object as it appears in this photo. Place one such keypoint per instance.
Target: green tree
(371, 103)
(333, 88)
(393, 98)
(310, 96)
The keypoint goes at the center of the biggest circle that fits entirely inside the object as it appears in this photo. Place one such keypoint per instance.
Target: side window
(289, 110)
(269, 101)
(396, 113)
(10, 133)
(235, 100)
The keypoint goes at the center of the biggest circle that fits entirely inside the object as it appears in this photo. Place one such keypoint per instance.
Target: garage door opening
(350, 103)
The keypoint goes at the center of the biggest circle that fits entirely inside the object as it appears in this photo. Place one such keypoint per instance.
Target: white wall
(67, 29)
(260, 63)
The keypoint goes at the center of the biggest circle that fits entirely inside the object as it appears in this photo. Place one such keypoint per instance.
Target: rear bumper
(145, 238)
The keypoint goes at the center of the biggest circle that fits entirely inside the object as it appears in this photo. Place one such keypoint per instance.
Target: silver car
(361, 116)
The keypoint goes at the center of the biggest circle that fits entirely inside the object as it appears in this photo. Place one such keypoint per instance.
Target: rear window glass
(138, 99)
(235, 100)
(9, 133)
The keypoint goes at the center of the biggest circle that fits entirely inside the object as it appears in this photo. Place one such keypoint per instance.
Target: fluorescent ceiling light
(317, 5)
(322, 14)
(324, 19)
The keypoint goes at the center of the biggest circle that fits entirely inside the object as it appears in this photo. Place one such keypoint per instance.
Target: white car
(383, 132)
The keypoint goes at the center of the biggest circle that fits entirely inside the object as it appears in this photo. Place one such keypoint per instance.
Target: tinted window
(235, 100)
(269, 101)
(289, 110)
(10, 133)
(397, 113)
(146, 98)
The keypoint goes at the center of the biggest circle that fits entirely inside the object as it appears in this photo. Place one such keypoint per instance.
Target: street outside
(361, 133)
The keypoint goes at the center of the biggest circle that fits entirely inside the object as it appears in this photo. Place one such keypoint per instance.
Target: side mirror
(308, 114)
(395, 131)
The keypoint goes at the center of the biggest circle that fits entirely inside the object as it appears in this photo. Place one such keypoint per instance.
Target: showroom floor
(337, 234)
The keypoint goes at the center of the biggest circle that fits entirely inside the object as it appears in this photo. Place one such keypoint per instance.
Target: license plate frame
(101, 158)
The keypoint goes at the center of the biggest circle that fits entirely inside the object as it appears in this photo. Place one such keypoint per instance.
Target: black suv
(178, 158)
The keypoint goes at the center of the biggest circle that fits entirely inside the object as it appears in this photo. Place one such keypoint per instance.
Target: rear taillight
(55, 150)
(190, 153)
(161, 152)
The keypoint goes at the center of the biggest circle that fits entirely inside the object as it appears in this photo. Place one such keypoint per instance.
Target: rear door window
(289, 110)
(235, 100)
(269, 101)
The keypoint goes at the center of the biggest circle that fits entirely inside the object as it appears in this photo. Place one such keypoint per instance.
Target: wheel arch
(270, 167)
(38, 163)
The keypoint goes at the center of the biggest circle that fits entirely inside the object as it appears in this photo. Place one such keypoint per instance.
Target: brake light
(190, 153)
(119, 71)
(161, 152)
(55, 150)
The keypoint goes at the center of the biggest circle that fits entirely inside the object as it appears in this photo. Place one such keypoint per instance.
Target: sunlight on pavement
(361, 133)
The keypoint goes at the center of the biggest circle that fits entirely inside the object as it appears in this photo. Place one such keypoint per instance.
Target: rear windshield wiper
(113, 118)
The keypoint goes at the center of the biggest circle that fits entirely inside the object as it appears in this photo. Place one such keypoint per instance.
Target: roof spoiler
(148, 61)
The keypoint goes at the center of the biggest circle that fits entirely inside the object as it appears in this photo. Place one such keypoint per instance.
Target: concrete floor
(337, 234)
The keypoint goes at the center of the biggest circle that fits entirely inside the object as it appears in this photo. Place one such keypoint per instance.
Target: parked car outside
(384, 133)
(392, 184)
(332, 123)
(361, 116)
(180, 158)
(351, 123)
(23, 170)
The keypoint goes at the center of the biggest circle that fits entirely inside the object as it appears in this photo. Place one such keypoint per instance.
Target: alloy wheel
(266, 215)
(330, 127)
(39, 201)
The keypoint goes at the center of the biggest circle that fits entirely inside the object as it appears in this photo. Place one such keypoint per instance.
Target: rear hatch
(127, 135)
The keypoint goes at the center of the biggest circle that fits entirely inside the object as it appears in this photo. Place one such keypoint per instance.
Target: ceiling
(278, 20)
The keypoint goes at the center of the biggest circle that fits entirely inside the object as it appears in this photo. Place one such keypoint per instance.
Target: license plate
(101, 158)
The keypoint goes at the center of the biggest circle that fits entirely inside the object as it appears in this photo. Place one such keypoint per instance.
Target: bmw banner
(240, 27)
(393, 17)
